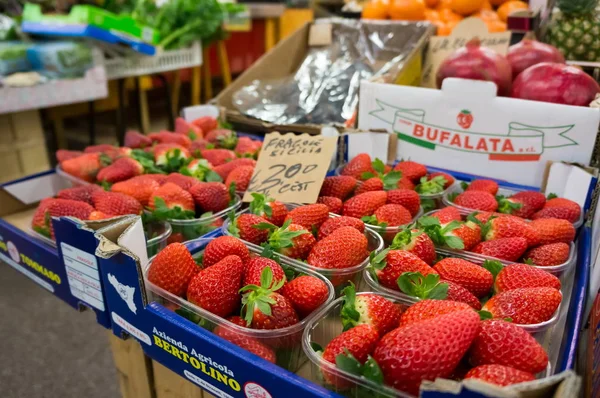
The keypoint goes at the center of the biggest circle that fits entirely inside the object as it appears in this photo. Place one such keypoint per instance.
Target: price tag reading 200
(291, 168)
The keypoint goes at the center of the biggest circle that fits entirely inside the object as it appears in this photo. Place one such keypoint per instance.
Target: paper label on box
(291, 168)
(319, 34)
(440, 47)
(83, 275)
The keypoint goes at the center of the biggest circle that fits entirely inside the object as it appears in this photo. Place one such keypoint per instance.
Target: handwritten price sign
(291, 168)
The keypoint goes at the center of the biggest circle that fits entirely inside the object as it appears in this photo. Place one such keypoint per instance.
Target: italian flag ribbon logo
(521, 142)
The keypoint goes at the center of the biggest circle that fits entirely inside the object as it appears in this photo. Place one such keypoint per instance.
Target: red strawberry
(100, 148)
(224, 169)
(217, 157)
(167, 137)
(338, 186)
(223, 246)
(215, 288)
(407, 198)
(120, 170)
(337, 222)
(271, 210)
(210, 196)
(499, 375)
(51, 207)
(82, 193)
(364, 204)
(172, 197)
(246, 342)
(483, 185)
(525, 306)
(428, 309)
(548, 255)
(517, 276)
(509, 249)
(388, 265)
(389, 215)
(254, 268)
(469, 233)
(306, 293)
(160, 178)
(459, 293)
(370, 309)
(243, 228)
(170, 153)
(334, 204)
(412, 170)
(241, 177)
(187, 129)
(247, 146)
(453, 234)
(508, 227)
(185, 182)
(529, 201)
(141, 188)
(198, 145)
(309, 216)
(563, 202)
(223, 138)
(98, 215)
(291, 240)
(263, 308)
(426, 350)
(135, 140)
(448, 179)
(357, 166)
(64, 154)
(206, 123)
(173, 268)
(345, 247)
(472, 277)
(504, 343)
(372, 184)
(563, 213)
(447, 215)
(477, 200)
(416, 242)
(115, 204)
(552, 230)
(84, 167)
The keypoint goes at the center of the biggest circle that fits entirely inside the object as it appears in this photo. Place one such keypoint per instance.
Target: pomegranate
(477, 63)
(530, 52)
(556, 83)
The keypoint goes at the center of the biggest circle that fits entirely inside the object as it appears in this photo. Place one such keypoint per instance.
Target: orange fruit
(432, 15)
(497, 3)
(442, 4)
(407, 10)
(375, 9)
(487, 15)
(495, 26)
(445, 28)
(466, 7)
(431, 3)
(448, 15)
(509, 7)
(486, 5)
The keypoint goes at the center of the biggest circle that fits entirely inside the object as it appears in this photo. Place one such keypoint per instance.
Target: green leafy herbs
(424, 287)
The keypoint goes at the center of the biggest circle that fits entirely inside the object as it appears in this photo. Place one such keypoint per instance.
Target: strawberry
(517, 276)
(141, 188)
(306, 293)
(224, 169)
(337, 222)
(246, 342)
(171, 156)
(483, 185)
(170, 201)
(469, 233)
(388, 265)
(552, 230)
(435, 183)
(210, 196)
(222, 138)
(173, 268)
(50, 207)
(84, 167)
(338, 186)
(243, 228)
(291, 240)
(459, 293)
(525, 306)
(360, 164)
(504, 343)
(206, 123)
(499, 375)
(263, 308)
(187, 129)
(215, 288)
(64, 154)
(120, 170)
(241, 177)
(223, 246)
(370, 309)
(563, 202)
(135, 140)
(82, 193)
(98, 215)
(364, 204)
(246, 146)
(472, 277)
(115, 204)
(507, 227)
(160, 178)
(217, 157)
(310, 217)
(198, 145)
(529, 201)
(185, 182)
(548, 255)
(477, 200)
(345, 247)
(412, 170)
(444, 235)
(426, 350)
(447, 214)
(407, 198)
(416, 242)
(201, 170)
(389, 215)
(254, 268)
(167, 137)
(271, 210)
(380, 180)
(335, 205)
(509, 249)
(100, 148)
(563, 213)
(429, 309)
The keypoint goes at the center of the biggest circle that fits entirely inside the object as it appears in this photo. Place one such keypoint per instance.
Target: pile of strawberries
(305, 233)
(248, 290)
(391, 346)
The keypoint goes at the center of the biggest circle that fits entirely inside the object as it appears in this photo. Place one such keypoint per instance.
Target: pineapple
(575, 30)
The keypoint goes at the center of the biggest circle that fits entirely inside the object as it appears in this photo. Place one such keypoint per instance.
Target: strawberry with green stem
(387, 266)
(171, 202)
(291, 240)
(270, 209)
(417, 242)
(431, 186)
(431, 287)
(442, 236)
(388, 180)
(201, 170)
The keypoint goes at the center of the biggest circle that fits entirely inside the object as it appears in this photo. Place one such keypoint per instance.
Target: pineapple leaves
(424, 287)
(349, 314)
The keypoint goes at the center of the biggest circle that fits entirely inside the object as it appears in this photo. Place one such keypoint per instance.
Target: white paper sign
(466, 128)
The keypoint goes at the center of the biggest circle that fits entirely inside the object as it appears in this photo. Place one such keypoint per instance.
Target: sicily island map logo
(512, 142)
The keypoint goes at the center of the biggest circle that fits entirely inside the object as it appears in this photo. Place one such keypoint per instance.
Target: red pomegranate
(527, 53)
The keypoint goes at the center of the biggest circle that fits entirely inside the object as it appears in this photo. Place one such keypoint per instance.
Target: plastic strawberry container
(75, 182)
(285, 342)
(339, 277)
